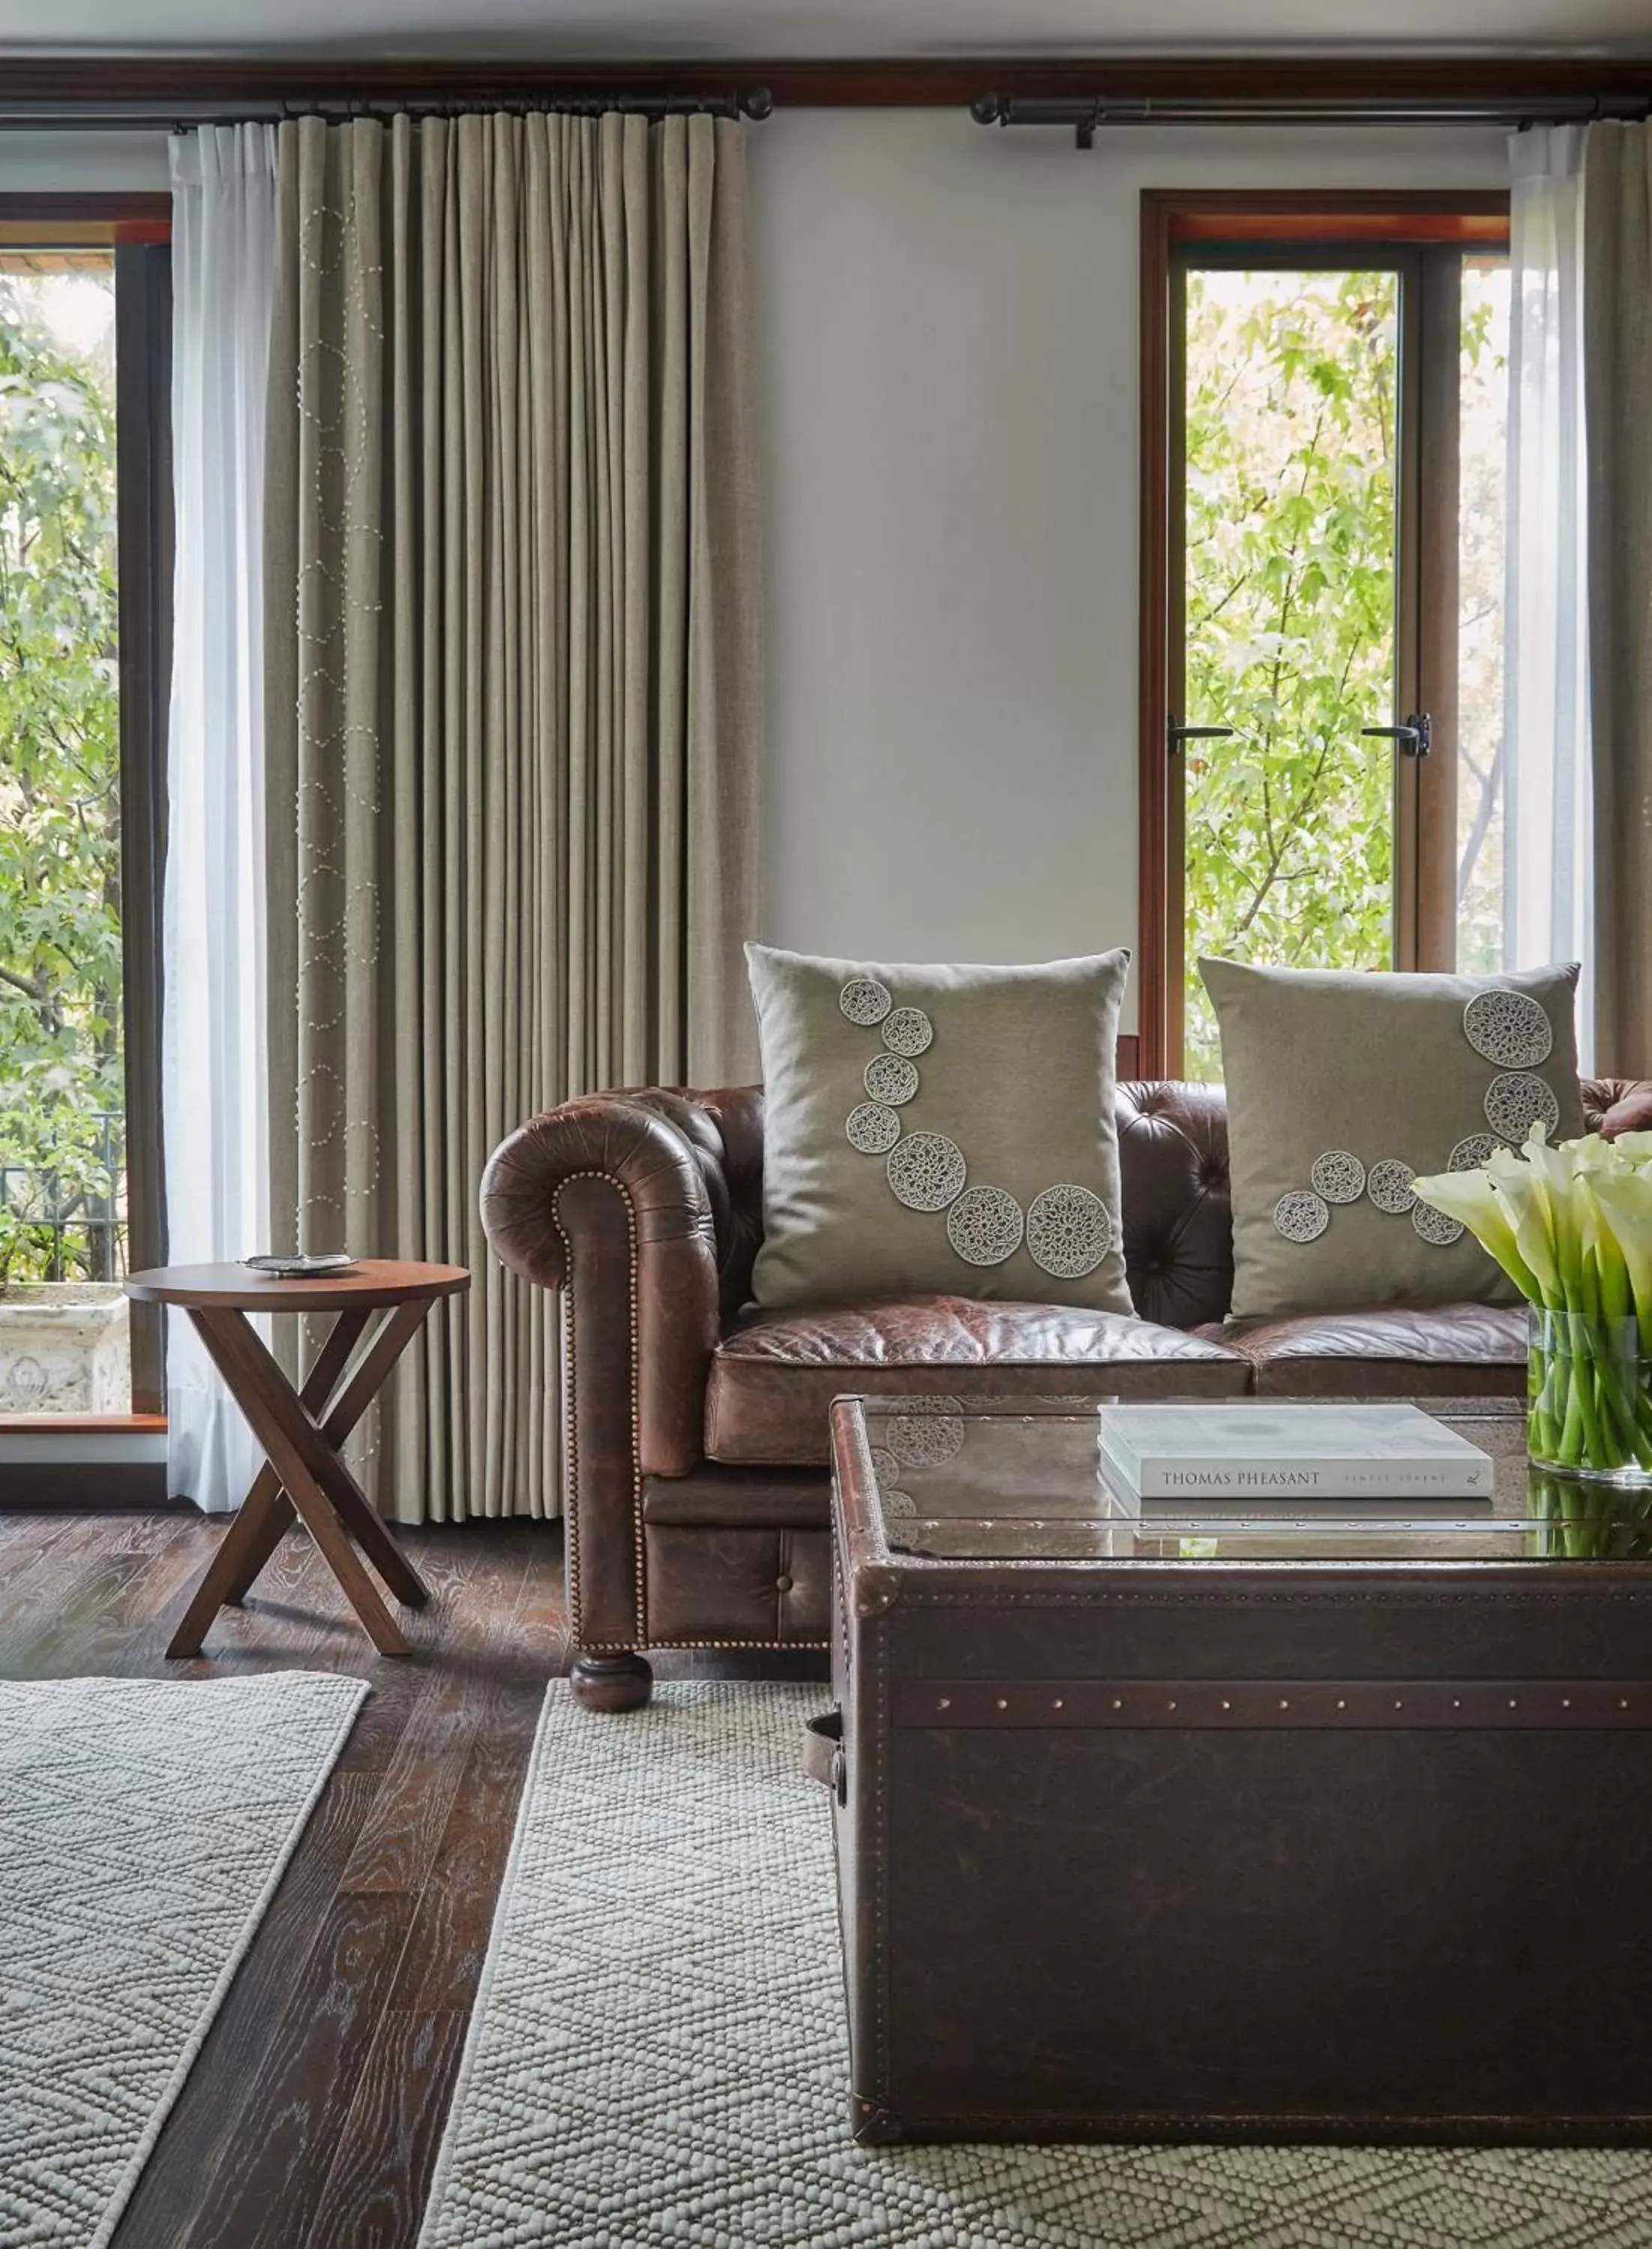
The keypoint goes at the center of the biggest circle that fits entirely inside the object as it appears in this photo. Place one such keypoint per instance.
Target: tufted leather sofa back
(1178, 1220)
(1173, 1164)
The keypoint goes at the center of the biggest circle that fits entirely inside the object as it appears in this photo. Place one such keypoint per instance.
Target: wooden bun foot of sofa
(623, 1682)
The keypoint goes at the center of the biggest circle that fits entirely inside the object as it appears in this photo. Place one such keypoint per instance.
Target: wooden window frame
(1428, 230)
(137, 227)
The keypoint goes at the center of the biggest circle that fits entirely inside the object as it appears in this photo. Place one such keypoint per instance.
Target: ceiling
(684, 29)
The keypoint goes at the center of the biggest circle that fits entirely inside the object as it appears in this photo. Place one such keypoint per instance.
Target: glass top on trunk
(1025, 1480)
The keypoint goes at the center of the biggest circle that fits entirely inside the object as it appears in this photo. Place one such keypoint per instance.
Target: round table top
(370, 1281)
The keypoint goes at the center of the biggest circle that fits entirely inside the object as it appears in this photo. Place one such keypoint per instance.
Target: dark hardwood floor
(311, 2118)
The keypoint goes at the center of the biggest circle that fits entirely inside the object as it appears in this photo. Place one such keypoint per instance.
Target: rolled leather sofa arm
(1627, 1106)
(605, 1200)
(553, 1190)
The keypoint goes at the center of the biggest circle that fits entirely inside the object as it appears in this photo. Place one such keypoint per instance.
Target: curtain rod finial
(987, 109)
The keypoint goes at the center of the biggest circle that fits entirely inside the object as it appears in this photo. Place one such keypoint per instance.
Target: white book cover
(1256, 1452)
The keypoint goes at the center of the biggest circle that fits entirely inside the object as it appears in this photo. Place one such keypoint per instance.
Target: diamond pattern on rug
(144, 1825)
(659, 2059)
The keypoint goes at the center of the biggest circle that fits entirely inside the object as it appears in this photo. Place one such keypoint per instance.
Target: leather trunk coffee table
(1313, 1823)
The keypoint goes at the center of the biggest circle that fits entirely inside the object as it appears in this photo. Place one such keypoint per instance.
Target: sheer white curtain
(1547, 879)
(214, 1073)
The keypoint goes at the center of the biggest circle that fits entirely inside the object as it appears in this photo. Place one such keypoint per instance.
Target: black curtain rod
(1087, 118)
(751, 103)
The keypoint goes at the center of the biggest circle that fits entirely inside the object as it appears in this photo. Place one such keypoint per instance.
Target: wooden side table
(303, 1431)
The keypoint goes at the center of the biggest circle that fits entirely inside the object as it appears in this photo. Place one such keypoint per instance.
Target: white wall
(43, 162)
(947, 359)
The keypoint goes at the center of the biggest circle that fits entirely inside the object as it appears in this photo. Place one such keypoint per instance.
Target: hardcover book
(1289, 1452)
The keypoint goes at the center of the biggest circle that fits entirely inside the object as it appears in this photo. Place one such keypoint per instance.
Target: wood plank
(296, 1616)
(26, 1536)
(209, 2127)
(316, 2039)
(414, 1799)
(400, 1838)
(61, 1604)
(132, 1624)
(446, 1948)
(448, 1944)
(375, 2188)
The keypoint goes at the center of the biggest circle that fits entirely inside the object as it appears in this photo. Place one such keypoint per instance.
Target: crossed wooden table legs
(302, 1431)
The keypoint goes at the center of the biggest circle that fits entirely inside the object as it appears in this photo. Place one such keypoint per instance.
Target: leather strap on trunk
(820, 1753)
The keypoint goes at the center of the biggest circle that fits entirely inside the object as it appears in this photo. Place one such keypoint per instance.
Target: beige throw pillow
(1341, 1087)
(939, 1130)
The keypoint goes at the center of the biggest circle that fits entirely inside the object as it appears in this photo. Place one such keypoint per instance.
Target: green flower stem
(1590, 1395)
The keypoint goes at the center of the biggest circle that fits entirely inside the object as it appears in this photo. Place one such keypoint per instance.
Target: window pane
(1290, 441)
(1484, 380)
(62, 1236)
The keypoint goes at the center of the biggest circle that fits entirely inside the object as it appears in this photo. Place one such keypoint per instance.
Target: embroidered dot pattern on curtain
(513, 699)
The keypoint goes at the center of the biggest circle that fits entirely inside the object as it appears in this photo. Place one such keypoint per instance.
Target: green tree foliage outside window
(61, 1086)
(1290, 531)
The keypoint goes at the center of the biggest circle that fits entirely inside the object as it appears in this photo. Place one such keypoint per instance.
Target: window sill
(72, 1425)
(83, 1461)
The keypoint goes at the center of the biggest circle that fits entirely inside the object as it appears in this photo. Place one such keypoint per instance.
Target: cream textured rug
(657, 2059)
(144, 1825)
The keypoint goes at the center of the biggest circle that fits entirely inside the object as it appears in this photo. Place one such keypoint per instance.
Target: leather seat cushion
(774, 1376)
(1455, 1351)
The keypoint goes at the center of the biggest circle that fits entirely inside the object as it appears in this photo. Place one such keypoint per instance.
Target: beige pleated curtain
(513, 699)
(1617, 348)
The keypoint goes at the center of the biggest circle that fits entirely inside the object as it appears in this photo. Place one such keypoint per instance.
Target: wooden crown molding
(83, 80)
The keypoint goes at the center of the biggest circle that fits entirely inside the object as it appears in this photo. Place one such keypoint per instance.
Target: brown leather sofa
(695, 1444)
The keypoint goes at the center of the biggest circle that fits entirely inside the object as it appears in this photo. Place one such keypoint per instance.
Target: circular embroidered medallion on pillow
(1510, 1029)
(1436, 1226)
(908, 1031)
(890, 1078)
(926, 1170)
(1469, 1154)
(1301, 1215)
(1338, 1176)
(1517, 1102)
(1068, 1232)
(1388, 1185)
(985, 1226)
(873, 1128)
(863, 1000)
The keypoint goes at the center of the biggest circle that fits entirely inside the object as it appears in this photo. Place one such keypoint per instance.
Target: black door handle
(1415, 738)
(1175, 733)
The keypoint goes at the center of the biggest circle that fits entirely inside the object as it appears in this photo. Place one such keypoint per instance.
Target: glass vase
(1589, 1397)
(1576, 1521)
